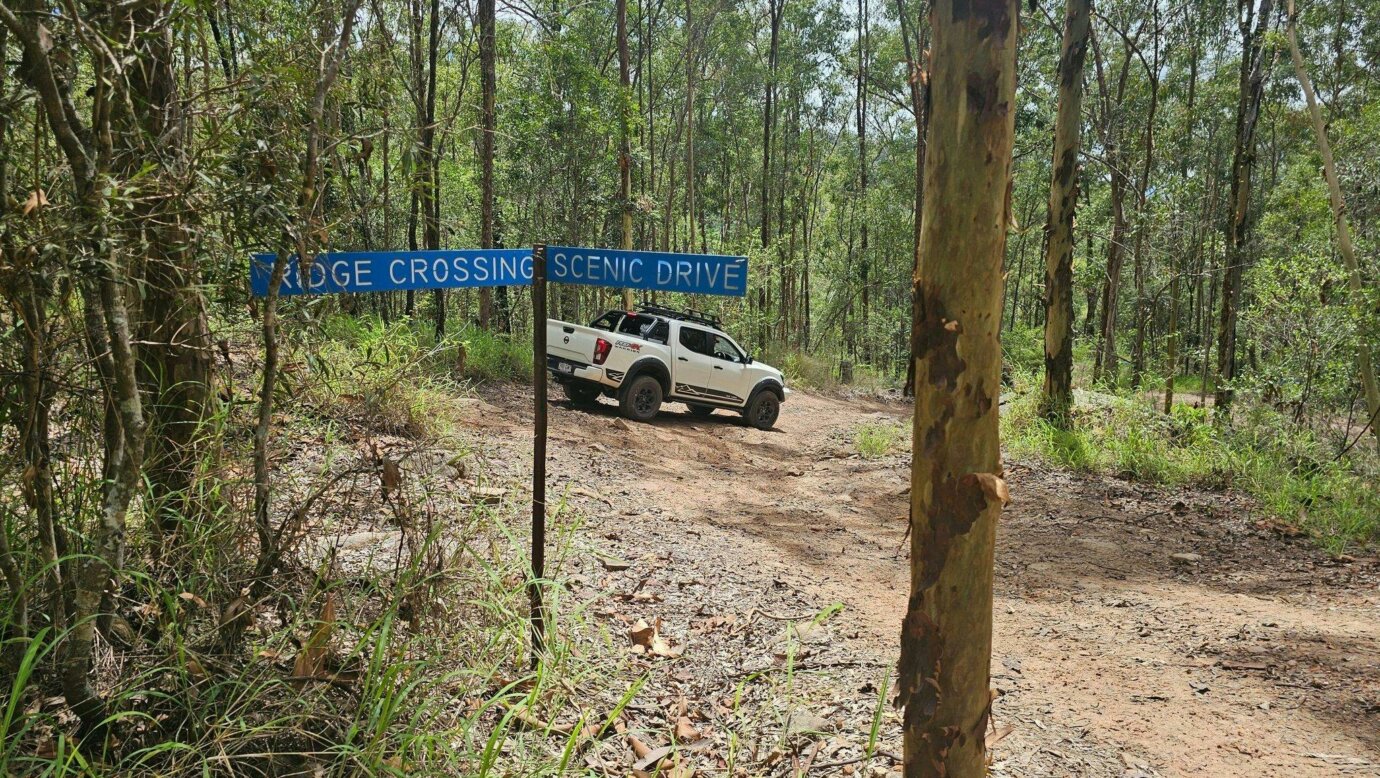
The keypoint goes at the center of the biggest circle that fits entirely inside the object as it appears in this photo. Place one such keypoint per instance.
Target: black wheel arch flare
(771, 385)
(653, 367)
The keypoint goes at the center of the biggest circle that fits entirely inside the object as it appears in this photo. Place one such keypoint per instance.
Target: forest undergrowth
(394, 640)
(1327, 486)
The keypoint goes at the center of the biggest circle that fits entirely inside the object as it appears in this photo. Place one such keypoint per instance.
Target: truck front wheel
(641, 399)
(762, 410)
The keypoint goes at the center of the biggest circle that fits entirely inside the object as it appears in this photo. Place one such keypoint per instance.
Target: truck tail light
(601, 350)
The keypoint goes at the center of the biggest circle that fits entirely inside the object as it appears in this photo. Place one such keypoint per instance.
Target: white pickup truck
(653, 355)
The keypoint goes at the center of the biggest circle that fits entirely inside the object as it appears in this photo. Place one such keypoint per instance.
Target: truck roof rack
(699, 317)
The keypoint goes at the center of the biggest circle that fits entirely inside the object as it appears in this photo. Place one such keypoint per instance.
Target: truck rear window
(607, 322)
(645, 327)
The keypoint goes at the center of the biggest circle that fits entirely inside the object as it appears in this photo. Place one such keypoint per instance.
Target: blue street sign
(661, 271)
(386, 271)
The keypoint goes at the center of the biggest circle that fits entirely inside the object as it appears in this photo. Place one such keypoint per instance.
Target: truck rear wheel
(762, 410)
(581, 394)
(641, 399)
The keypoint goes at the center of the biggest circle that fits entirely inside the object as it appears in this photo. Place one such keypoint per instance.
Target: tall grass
(426, 673)
(1296, 477)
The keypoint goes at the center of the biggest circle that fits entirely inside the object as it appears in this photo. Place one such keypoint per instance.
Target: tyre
(762, 410)
(701, 410)
(581, 394)
(641, 399)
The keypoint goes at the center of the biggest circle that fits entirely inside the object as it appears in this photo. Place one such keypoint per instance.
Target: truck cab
(645, 357)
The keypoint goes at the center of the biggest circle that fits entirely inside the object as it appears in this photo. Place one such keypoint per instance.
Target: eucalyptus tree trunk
(1106, 367)
(775, 8)
(1143, 208)
(690, 124)
(174, 352)
(488, 120)
(864, 259)
(917, 82)
(957, 490)
(302, 235)
(1177, 267)
(1063, 202)
(1344, 244)
(431, 191)
(625, 139)
(1243, 165)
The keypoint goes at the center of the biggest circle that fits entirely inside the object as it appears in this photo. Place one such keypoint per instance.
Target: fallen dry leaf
(613, 564)
(685, 730)
(391, 476)
(680, 770)
(640, 749)
(652, 758)
(312, 659)
(647, 639)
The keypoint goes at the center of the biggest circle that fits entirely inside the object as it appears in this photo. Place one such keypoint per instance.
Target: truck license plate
(565, 367)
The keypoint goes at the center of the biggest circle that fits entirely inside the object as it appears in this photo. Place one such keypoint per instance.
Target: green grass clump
(877, 440)
(1023, 349)
(385, 378)
(1293, 475)
(491, 356)
(805, 370)
(396, 379)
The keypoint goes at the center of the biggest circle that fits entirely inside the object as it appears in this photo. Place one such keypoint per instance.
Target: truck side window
(637, 325)
(724, 349)
(606, 322)
(660, 333)
(695, 340)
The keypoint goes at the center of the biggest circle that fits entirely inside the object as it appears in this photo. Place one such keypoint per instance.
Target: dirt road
(1250, 654)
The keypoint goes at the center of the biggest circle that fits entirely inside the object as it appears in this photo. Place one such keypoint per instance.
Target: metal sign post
(534, 595)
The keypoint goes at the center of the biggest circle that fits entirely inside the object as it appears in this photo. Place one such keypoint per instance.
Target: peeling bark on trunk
(956, 485)
(1063, 202)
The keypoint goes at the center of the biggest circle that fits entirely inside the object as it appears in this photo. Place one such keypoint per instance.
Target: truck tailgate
(573, 342)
